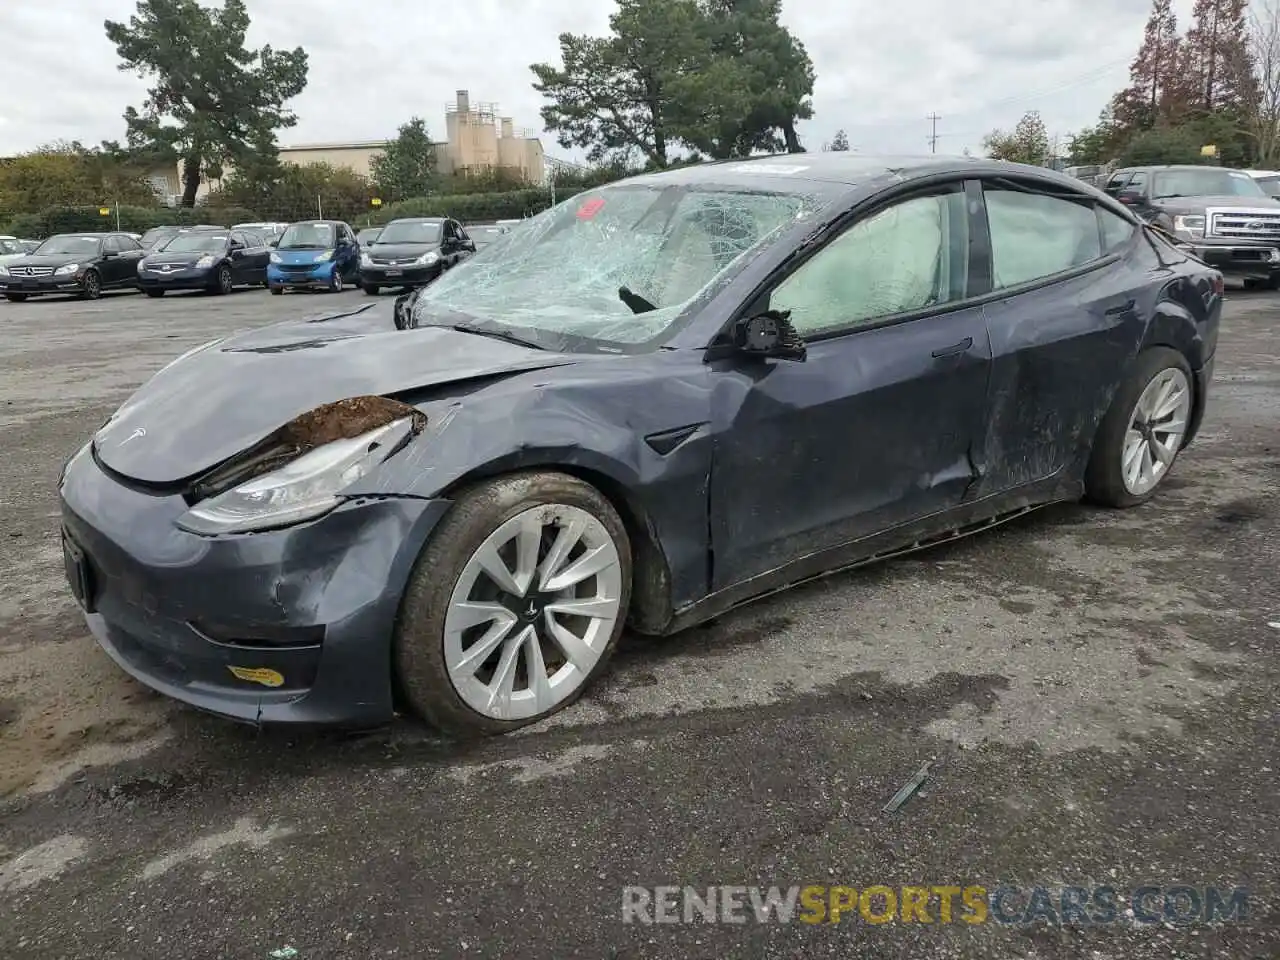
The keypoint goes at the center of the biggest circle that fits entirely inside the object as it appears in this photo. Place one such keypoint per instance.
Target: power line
(933, 118)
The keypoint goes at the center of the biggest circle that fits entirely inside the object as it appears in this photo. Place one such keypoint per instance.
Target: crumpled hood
(210, 405)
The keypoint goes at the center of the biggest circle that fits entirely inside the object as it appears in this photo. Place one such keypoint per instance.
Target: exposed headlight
(302, 490)
(428, 258)
(322, 257)
(275, 258)
(366, 260)
(205, 262)
(66, 268)
(1191, 226)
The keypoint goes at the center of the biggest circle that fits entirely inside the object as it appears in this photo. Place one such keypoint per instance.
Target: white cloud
(882, 68)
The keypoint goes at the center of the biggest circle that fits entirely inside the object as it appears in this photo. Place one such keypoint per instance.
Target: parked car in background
(316, 255)
(11, 248)
(269, 231)
(217, 262)
(483, 234)
(1223, 216)
(81, 264)
(1268, 180)
(159, 235)
(680, 392)
(412, 251)
(367, 236)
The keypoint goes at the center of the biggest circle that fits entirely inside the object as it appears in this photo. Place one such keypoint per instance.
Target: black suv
(1221, 215)
(412, 251)
(81, 264)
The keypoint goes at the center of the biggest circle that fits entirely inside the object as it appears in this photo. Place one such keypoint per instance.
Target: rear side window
(1271, 185)
(1035, 236)
(1116, 231)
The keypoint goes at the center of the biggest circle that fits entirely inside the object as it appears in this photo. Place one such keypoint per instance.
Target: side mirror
(404, 308)
(1129, 197)
(769, 334)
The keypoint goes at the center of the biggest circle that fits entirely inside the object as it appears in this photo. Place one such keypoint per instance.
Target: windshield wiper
(495, 334)
(637, 303)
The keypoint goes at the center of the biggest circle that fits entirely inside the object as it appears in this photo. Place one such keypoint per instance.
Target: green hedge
(37, 226)
(467, 207)
(472, 207)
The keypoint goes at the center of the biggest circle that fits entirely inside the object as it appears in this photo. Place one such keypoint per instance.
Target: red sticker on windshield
(590, 208)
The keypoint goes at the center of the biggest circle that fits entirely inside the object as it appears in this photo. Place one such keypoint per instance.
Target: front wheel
(371, 289)
(1141, 434)
(154, 293)
(92, 285)
(224, 283)
(276, 291)
(15, 297)
(335, 281)
(515, 605)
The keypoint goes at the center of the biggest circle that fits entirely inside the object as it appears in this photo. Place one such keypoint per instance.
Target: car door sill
(961, 521)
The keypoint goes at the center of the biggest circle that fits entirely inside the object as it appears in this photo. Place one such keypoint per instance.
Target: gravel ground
(1097, 690)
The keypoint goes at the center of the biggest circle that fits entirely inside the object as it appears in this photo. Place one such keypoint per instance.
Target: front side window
(904, 259)
(111, 245)
(619, 264)
(1116, 231)
(1117, 182)
(1035, 236)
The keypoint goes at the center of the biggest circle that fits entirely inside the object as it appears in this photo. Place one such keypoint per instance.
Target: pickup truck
(1220, 215)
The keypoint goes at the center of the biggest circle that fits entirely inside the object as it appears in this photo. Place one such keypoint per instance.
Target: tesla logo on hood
(140, 432)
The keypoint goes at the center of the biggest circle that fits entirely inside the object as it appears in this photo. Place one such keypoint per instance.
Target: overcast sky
(881, 67)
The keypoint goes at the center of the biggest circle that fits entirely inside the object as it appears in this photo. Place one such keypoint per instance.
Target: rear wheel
(154, 293)
(1141, 434)
(335, 281)
(276, 291)
(372, 289)
(515, 605)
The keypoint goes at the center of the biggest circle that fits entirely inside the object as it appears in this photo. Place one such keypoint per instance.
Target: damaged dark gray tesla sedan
(658, 400)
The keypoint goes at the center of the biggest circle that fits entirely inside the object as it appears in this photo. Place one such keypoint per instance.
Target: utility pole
(933, 136)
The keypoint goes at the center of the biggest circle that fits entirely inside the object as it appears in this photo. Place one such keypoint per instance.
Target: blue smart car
(316, 255)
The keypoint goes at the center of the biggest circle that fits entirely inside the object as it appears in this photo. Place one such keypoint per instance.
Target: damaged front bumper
(285, 626)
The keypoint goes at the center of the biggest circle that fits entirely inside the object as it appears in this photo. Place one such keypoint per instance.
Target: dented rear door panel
(1058, 353)
(875, 428)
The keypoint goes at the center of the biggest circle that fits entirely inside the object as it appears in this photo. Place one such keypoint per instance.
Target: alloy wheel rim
(1156, 429)
(532, 612)
(91, 284)
(224, 280)
(337, 280)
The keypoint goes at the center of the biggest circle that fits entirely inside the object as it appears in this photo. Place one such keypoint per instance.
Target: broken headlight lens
(303, 489)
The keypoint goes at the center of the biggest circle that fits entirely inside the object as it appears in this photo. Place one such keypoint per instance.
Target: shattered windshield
(308, 236)
(618, 264)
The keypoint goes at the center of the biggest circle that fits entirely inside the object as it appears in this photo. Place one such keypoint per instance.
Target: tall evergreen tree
(1154, 77)
(1218, 63)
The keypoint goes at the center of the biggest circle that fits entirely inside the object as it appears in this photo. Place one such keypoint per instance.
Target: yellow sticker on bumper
(262, 675)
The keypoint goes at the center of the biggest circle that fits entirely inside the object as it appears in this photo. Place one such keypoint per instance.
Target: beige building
(479, 139)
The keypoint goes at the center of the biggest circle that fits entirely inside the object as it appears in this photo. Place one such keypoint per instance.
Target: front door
(876, 427)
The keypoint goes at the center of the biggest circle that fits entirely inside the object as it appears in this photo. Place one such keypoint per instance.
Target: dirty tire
(419, 641)
(1104, 482)
(276, 291)
(92, 285)
(154, 293)
(372, 289)
(15, 297)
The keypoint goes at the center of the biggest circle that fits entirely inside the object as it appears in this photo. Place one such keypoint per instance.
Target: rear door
(1061, 338)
